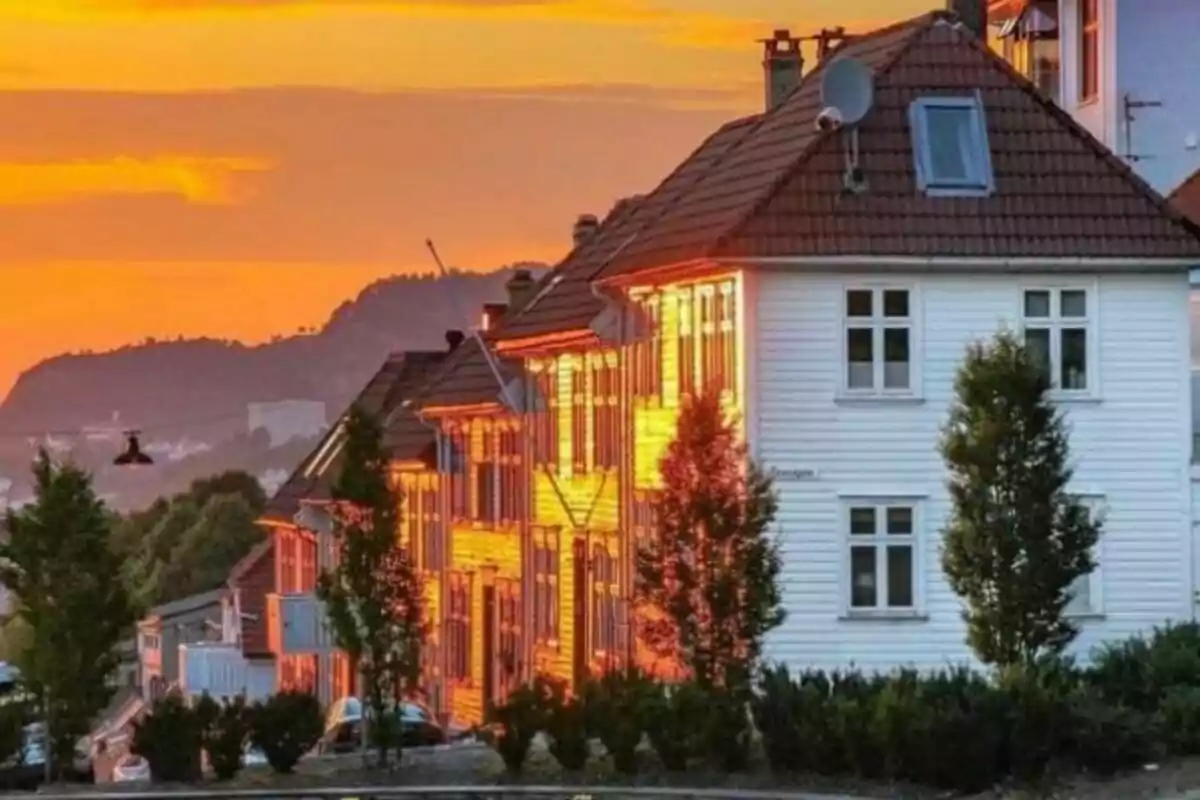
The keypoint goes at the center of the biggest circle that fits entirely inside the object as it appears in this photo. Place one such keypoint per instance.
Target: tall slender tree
(1017, 539)
(70, 598)
(373, 595)
(709, 577)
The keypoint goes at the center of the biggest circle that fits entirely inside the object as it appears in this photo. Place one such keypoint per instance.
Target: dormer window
(950, 147)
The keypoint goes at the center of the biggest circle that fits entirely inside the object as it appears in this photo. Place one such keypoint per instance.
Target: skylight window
(950, 147)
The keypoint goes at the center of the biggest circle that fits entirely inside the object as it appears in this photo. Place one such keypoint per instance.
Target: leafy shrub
(285, 727)
(778, 709)
(520, 718)
(852, 724)
(1180, 719)
(1106, 738)
(725, 736)
(677, 715)
(12, 732)
(225, 733)
(964, 737)
(618, 706)
(566, 724)
(1139, 672)
(170, 739)
(1039, 718)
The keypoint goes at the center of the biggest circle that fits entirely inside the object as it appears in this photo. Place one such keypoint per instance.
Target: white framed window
(1087, 592)
(1058, 326)
(879, 341)
(951, 153)
(883, 564)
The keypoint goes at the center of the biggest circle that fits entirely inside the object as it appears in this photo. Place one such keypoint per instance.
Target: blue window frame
(950, 147)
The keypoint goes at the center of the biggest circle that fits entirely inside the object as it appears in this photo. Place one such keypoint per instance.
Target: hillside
(199, 388)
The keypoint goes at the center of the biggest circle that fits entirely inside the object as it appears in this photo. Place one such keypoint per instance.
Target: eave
(544, 343)
(472, 409)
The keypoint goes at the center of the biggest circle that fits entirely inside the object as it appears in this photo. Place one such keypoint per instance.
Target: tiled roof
(399, 377)
(466, 379)
(778, 190)
(1186, 197)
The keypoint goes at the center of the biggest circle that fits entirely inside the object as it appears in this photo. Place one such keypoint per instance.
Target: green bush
(1106, 738)
(1139, 672)
(1039, 719)
(617, 706)
(777, 708)
(520, 718)
(725, 735)
(285, 727)
(12, 732)
(1180, 720)
(962, 742)
(567, 726)
(170, 739)
(676, 718)
(226, 731)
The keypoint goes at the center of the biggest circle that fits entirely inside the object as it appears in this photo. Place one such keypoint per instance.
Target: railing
(222, 671)
(297, 624)
(385, 792)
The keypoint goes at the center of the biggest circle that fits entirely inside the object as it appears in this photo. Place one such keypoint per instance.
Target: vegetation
(170, 738)
(226, 731)
(374, 594)
(709, 576)
(1016, 540)
(285, 727)
(67, 591)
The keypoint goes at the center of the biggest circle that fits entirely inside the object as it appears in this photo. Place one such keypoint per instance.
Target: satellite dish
(848, 85)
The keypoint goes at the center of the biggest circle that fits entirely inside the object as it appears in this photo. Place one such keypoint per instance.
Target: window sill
(852, 399)
(1075, 398)
(883, 615)
(1084, 616)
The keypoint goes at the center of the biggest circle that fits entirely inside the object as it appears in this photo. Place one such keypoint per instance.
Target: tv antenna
(847, 96)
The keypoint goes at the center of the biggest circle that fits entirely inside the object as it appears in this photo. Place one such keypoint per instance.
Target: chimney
(492, 312)
(520, 288)
(782, 66)
(973, 14)
(586, 226)
(827, 39)
(454, 339)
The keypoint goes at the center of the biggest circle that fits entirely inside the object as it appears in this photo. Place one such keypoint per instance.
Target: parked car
(343, 725)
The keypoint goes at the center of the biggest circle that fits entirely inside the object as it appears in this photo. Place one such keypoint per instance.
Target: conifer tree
(1016, 540)
(373, 595)
(712, 568)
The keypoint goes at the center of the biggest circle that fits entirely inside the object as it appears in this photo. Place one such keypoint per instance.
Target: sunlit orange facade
(545, 503)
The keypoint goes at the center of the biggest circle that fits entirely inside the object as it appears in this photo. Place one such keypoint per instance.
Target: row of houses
(825, 282)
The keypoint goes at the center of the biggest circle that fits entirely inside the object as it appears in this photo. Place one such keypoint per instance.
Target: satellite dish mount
(847, 96)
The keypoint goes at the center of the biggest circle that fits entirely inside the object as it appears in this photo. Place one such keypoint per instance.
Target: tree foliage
(1016, 539)
(67, 590)
(373, 595)
(712, 569)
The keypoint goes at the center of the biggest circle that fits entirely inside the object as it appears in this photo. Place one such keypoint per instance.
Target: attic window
(950, 147)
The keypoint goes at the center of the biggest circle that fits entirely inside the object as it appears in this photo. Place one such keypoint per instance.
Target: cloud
(196, 180)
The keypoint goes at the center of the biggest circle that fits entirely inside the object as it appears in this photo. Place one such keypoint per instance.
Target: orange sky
(239, 167)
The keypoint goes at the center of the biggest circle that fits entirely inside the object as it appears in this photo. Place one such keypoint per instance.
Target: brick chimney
(783, 65)
(492, 312)
(586, 226)
(453, 340)
(520, 288)
(973, 14)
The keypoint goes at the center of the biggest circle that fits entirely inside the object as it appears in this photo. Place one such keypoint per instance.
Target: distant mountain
(199, 388)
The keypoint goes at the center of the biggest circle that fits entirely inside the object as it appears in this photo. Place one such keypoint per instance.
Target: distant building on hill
(284, 420)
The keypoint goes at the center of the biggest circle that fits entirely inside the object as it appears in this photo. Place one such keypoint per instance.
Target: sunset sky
(239, 167)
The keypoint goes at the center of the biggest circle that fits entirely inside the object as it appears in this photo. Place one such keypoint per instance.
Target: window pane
(900, 521)
(861, 357)
(1074, 304)
(1037, 342)
(1074, 359)
(895, 303)
(1081, 595)
(895, 354)
(862, 521)
(858, 303)
(1037, 305)
(862, 577)
(900, 576)
(949, 144)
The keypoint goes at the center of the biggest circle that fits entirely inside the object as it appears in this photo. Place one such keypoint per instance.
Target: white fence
(222, 671)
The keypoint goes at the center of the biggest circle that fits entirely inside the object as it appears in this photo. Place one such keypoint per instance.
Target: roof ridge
(920, 24)
(1077, 129)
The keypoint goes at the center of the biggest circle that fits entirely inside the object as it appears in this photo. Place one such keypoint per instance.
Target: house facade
(826, 282)
(1120, 67)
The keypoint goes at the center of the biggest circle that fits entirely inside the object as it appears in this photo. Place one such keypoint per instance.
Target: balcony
(297, 625)
(222, 671)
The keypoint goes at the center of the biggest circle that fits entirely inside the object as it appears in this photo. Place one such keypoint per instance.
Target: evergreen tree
(373, 596)
(1016, 539)
(711, 571)
(69, 596)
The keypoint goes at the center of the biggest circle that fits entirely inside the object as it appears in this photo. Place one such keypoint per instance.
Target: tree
(712, 569)
(66, 588)
(1016, 539)
(373, 596)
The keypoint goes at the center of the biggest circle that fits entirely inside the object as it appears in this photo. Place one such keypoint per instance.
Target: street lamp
(132, 455)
